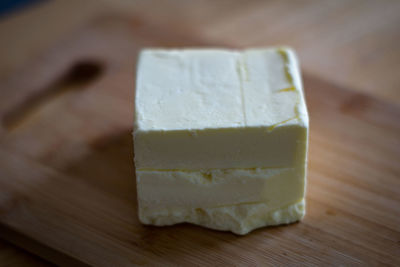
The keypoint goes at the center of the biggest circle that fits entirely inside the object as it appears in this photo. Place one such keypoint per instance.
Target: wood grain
(352, 43)
(11, 255)
(67, 177)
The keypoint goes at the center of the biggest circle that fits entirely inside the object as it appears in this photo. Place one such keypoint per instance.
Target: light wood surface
(353, 43)
(67, 178)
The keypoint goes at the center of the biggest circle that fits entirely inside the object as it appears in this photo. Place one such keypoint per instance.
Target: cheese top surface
(196, 89)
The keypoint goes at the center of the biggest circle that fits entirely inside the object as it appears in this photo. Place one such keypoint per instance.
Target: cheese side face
(217, 132)
(220, 187)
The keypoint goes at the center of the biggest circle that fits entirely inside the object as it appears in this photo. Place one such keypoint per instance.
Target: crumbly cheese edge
(239, 219)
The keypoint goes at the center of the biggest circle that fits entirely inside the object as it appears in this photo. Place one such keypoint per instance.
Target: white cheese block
(220, 131)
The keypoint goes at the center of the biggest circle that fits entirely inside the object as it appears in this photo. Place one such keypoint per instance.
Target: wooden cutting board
(67, 184)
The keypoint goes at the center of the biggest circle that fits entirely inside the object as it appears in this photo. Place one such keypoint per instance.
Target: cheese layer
(213, 188)
(219, 109)
(239, 219)
(238, 200)
(251, 147)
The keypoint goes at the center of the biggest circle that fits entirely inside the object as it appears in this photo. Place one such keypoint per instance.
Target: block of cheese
(220, 138)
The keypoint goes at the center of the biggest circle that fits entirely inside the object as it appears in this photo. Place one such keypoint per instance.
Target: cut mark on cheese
(241, 70)
(272, 127)
(254, 169)
(288, 75)
(292, 88)
(285, 58)
(296, 108)
(299, 202)
(288, 89)
(245, 68)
